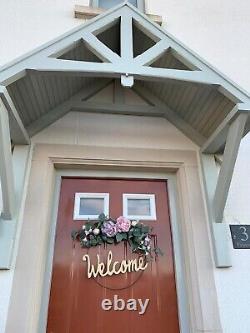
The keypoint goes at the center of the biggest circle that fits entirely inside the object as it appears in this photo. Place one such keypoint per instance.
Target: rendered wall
(219, 32)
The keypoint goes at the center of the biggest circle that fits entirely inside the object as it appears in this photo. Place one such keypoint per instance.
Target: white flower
(83, 227)
(134, 223)
(148, 247)
(96, 231)
(87, 232)
(85, 239)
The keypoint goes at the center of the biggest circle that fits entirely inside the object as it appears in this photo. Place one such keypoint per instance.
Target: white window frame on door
(79, 196)
(135, 196)
(140, 4)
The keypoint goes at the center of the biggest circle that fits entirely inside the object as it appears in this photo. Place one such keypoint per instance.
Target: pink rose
(123, 224)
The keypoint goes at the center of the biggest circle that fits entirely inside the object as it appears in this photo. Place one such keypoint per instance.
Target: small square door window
(88, 206)
(139, 206)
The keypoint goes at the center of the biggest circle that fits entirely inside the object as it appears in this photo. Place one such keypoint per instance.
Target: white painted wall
(218, 30)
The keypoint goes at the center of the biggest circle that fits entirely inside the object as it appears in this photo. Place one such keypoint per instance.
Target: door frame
(52, 160)
(175, 216)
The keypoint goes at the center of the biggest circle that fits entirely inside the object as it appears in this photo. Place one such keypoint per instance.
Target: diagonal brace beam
(151, 55)
(99, 49)
(234, 136)
(6, 167)
(18, 132)
(218, 138)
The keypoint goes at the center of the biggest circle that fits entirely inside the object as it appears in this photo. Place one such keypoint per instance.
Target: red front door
(76, 301)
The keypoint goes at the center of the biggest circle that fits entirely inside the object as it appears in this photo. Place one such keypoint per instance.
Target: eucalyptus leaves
(108, 231)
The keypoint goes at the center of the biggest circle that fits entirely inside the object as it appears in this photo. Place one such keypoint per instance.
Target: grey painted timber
(6, 167)
(170, 115)
(59, 111)
(17, 130)
(8, 227)
(135, 110)
(219, 232)
(230, 154)
(17, 69)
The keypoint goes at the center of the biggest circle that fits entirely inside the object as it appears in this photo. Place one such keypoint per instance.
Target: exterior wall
(218, 33)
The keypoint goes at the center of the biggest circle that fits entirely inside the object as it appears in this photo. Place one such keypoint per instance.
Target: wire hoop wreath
(123, 288)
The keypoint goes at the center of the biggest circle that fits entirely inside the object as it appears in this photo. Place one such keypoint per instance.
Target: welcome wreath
(109, 231)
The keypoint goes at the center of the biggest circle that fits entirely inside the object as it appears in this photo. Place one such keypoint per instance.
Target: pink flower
(123, 224)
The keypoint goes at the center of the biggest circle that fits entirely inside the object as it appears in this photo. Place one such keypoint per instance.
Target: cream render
(216, 303)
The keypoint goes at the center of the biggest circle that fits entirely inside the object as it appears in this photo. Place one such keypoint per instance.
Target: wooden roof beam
(234, 136)
(115, 70)
(118, 108)
(216, 142)
(217, 185)
(18, 132)
(6, 167)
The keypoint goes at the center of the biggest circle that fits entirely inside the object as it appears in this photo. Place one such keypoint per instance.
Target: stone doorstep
(86, 12)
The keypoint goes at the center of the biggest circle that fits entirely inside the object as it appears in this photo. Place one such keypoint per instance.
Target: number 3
(244, 233)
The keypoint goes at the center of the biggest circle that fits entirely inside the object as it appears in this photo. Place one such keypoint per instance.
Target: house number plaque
(240, 236)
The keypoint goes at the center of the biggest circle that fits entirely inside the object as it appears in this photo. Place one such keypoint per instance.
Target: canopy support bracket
(217, 183)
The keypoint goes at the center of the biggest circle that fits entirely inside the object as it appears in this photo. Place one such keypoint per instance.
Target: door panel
(75, 300)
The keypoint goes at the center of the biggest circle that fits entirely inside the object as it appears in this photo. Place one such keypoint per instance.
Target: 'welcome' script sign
(110, 268)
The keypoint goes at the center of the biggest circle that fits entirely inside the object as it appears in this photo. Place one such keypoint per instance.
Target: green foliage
(138, 237)
(74, 234)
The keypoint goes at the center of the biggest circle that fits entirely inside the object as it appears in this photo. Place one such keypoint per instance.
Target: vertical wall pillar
(8, 227)
(12, 173)
(221, 248)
